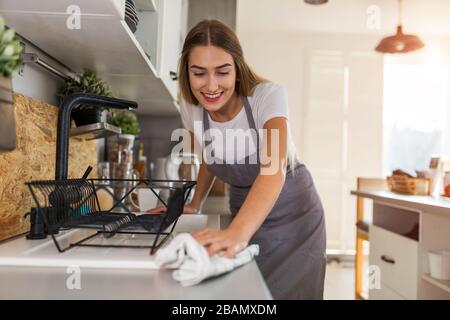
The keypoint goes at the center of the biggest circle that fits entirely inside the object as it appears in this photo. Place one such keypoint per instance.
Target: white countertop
(423, 203)
(34, 269)
(43, 253)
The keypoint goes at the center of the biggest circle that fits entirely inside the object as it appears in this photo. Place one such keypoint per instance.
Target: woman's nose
(212, 84)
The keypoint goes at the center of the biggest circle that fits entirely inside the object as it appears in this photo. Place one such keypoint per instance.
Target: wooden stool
(362, 227)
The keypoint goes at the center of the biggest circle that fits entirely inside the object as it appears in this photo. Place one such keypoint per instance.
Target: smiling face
(212, 77)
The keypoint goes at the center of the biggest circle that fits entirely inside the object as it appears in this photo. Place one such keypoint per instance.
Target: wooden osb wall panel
(34, 159)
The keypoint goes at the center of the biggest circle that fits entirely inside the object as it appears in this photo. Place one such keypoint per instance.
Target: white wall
(34, 81)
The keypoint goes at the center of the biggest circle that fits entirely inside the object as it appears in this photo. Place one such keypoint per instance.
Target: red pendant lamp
(400, 42)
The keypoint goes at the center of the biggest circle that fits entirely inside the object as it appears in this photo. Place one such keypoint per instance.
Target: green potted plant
(120, 147)
(10, 62)
(126, 120)
(88, 82)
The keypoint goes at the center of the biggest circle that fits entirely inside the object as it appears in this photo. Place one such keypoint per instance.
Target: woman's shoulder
(265, 89)
(267, 92)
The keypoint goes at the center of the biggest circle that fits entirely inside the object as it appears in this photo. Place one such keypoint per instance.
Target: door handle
(387, 259)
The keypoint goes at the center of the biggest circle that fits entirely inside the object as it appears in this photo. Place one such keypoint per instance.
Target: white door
(342, 137)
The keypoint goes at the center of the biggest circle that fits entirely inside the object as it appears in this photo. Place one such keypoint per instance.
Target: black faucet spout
(63, 129)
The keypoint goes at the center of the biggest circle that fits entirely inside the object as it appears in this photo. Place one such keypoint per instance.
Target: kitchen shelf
(51, 7)
(145, 5)
(443, 284)
(103, 43)
(94, 131)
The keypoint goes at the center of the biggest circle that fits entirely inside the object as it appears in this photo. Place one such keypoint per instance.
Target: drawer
(384, 293)
(397, 258)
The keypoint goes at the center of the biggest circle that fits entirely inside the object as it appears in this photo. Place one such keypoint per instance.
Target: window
(414, 115)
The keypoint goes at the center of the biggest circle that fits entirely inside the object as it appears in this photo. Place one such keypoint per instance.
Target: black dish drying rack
(74, 203)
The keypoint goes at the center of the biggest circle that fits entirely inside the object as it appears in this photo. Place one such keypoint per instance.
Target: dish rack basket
(74, 203)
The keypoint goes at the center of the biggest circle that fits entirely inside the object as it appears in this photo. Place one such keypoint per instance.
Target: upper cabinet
(174, 13)
(133, 63)
(52, 7)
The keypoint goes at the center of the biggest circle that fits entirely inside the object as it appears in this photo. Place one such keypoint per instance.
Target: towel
(192, 262)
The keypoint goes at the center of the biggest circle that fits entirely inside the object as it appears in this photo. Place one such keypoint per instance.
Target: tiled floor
(340, 280)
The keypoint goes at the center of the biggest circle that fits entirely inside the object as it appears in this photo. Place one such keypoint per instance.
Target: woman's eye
(198, 74)
(223, 73)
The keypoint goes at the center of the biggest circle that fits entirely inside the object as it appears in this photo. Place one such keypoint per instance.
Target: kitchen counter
(404, 229)
(439, 205)
(35, 270)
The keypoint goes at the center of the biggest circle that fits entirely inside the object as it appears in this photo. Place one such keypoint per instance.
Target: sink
(43, 253)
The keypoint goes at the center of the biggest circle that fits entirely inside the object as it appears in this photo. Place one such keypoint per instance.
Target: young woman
(273, 200)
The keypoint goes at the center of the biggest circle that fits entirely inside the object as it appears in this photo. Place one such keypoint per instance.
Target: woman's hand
(230, 241)
(188, 208)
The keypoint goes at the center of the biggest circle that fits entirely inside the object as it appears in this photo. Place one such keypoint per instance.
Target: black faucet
(63, 129)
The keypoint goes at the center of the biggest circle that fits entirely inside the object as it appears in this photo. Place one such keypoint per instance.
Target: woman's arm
(204, 182)
(261, 198)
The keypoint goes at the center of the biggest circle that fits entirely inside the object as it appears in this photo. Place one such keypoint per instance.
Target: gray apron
(292, 238)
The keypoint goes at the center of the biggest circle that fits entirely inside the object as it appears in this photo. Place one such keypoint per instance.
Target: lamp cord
(399, 12)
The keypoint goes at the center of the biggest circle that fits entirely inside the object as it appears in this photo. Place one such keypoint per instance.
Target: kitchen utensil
(87, 172)
(103, 170)
(130, 3)
(146, 198)
(183, 167)
(123, 171)
(120, 148)
(131, 17)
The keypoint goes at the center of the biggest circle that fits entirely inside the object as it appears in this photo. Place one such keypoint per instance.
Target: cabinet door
(397, 258)
(171, 42)
(384, 293)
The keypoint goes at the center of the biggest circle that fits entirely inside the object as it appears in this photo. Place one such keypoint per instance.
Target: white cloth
(269, 100)
(193, 263)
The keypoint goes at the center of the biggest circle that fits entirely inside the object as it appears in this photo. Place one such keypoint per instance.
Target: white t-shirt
(268, 101)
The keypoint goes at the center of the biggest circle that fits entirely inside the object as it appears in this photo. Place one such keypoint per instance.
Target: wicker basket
(406, 185)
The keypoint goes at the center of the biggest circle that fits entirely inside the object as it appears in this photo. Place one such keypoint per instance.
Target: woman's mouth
(212, 97)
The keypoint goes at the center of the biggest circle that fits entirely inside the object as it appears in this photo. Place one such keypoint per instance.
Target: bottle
(104, 190)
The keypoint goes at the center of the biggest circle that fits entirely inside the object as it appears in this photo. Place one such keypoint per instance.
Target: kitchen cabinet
(51, 7)
(384, 293)
(397, 259)
(173, 13)
(404, 229)
(104, 43)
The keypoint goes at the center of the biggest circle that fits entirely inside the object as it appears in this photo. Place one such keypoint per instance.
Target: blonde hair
(218, 34)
